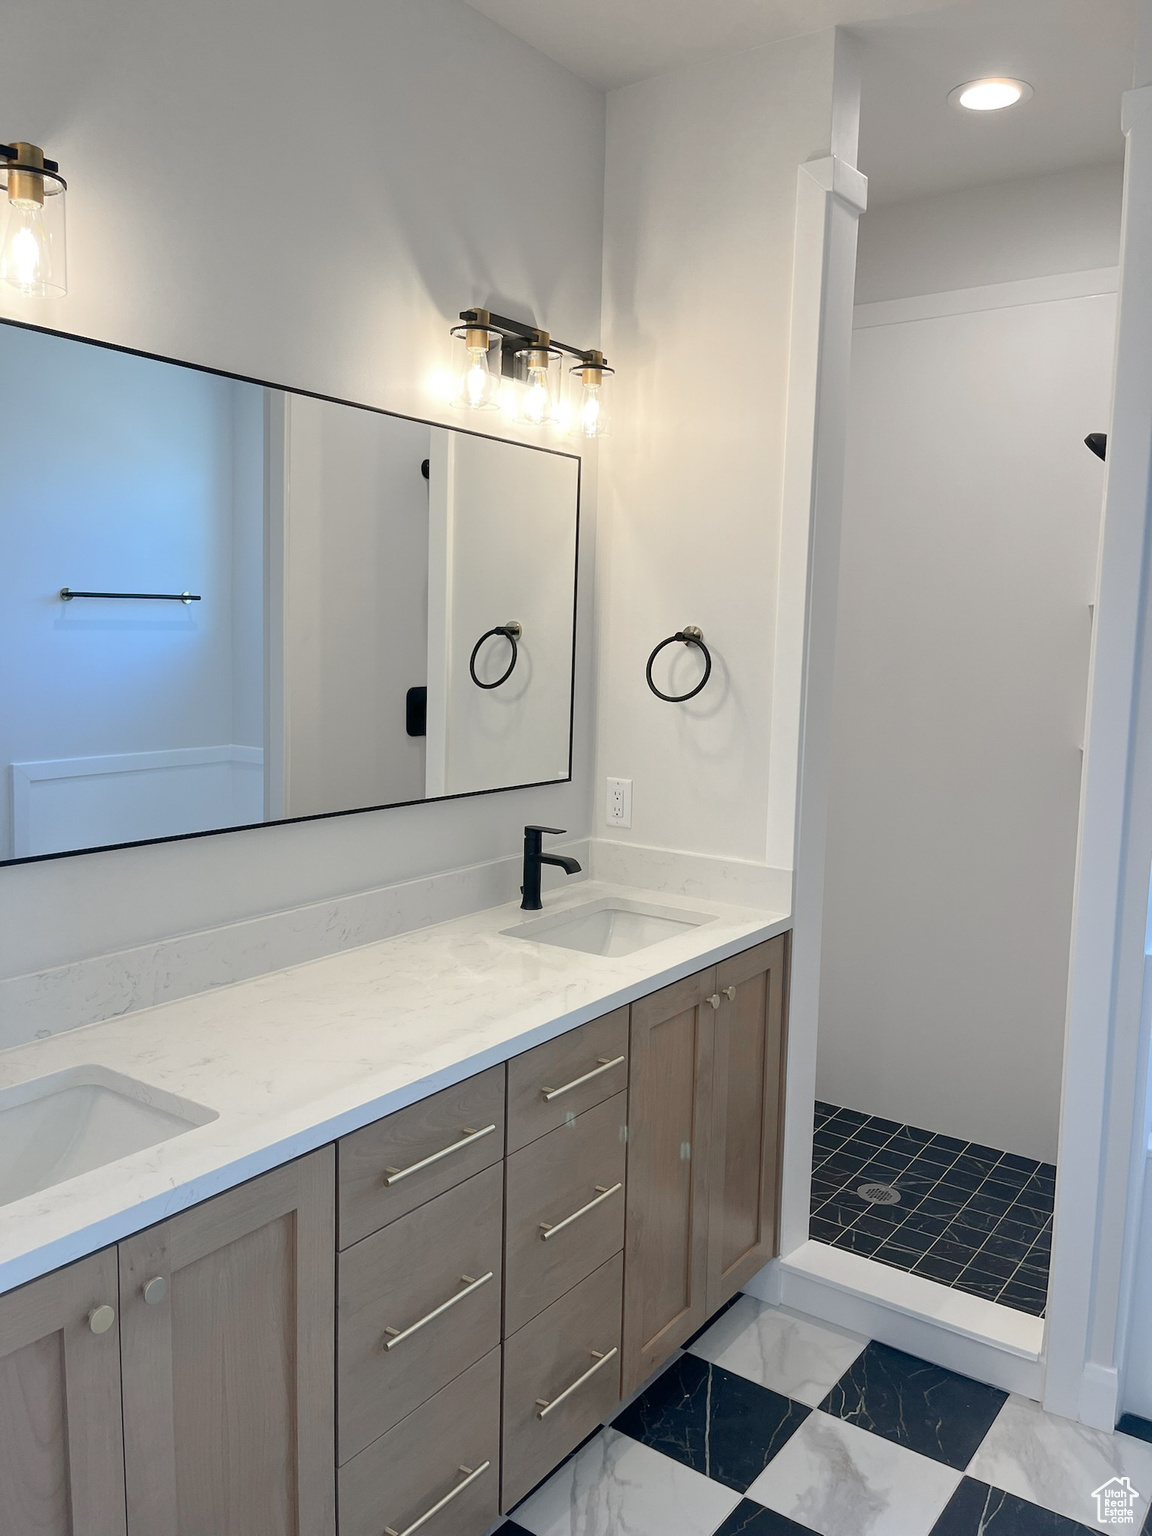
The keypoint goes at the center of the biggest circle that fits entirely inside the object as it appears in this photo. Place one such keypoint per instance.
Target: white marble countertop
(294, 1059)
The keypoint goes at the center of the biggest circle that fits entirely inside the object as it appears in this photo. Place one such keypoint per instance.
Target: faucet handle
(555, 831)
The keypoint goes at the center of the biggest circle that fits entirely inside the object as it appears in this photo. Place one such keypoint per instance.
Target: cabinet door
(61, 1452)
(666, 1234)
(227, 1320)
(746, 1119)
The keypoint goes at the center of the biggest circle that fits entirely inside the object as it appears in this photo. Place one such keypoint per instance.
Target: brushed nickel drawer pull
(398, 1335)
(466, 1140)
(605, 1065)
(602, 1193)
(730, 994)
(546, 1407)
(473, 1474)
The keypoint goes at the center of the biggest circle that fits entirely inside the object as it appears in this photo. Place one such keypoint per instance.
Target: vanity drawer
(391, 1167)
(561, 1378)
(435, 1277)
(566, 1076)
(564, 1209)
(421, 1464)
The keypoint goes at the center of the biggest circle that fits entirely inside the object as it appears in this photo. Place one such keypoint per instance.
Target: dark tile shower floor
(968, 1216)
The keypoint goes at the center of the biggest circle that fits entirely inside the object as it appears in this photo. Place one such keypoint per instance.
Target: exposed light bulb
(476, 379)
(590, 410)
(535, 407)
(26, 255)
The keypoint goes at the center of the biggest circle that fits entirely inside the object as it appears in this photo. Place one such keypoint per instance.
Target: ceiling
(614, 42)
(1076, 53)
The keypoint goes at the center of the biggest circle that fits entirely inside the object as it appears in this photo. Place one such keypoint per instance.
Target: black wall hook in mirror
(691, 634)
(511, 632)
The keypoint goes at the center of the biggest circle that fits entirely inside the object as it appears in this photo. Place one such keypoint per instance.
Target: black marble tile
(1023, 1164)
(955, 1253)
(749, 1519)
(850, 1117)
(857, 1242)
(922, 1407)
(977, 1284)
(510, 1528)
(889, 1127)
(943, 1270)
(978, 1223)
(996, 1269)
(1024, 1298)
(1140, 1428)
(996, 1205)
(1005, 1247)
(896, 1257)
(924, 1221)
(825, 1109)
(985, 1154)
(709, 1419)
(977, 1510)
(821, 1230)
(907, 1236)
(1021, 1231)
(949, 1144)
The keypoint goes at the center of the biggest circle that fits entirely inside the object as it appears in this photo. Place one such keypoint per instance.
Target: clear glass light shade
(476, 368)
(32, 245)
(536, 399)
(591, 415)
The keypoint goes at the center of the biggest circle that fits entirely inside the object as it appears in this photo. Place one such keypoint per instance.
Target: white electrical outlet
(618, 812)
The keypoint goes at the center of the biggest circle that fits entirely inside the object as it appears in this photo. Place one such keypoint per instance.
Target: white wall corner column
(1097, 1195)
(830, 197)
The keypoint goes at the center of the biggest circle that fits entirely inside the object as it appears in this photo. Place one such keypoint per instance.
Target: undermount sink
(70, 1122)
(608, 927)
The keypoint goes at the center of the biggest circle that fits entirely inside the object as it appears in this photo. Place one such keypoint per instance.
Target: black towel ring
(690, 635)
(511, 632)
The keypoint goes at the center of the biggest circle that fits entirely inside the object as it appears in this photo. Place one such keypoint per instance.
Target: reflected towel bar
(67, 594)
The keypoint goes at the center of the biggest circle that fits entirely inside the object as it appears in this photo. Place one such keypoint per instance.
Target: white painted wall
(971, 524)
(124, 479)
(366, 121)
(699, 221)
(354, 621)
(501, 547)
(1036, 226)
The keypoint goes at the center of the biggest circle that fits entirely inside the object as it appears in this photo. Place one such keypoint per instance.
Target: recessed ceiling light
(991, 94)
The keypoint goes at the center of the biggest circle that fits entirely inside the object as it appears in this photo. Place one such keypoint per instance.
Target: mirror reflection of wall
(305, 530)
(127, 719)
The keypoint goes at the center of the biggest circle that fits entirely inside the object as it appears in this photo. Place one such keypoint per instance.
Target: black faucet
(534, 856)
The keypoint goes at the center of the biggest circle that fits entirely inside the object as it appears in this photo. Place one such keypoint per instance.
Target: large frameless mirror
(223, 603)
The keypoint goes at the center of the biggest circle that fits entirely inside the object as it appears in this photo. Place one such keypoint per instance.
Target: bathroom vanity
(429, 1311)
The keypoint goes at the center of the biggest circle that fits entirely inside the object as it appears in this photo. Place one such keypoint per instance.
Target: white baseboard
(1100, 1396)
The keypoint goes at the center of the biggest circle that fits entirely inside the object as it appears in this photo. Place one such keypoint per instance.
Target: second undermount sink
(610, 926)
(56, 1127)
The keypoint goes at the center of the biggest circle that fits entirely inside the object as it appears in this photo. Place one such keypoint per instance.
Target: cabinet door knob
(715, 999)
(730, 994)
(101, 1318)
(155, 1290)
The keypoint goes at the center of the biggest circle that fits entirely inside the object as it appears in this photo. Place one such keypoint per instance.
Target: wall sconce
(493, 349)
(32, 249)
(592, 416)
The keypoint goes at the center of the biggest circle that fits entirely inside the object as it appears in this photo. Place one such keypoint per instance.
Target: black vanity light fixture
(503, 363)
(32, 247)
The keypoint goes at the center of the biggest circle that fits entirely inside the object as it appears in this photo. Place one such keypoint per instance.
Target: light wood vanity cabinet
(61, 1444)
(704, 1122)
(227, 1344)
(514, 1255)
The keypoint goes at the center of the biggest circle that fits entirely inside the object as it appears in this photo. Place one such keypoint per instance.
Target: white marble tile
(1059, 1464)
(839, 1480)
(792, 1355)
(617, 1487)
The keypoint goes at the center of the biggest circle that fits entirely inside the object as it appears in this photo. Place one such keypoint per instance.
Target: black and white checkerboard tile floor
(771, 1424)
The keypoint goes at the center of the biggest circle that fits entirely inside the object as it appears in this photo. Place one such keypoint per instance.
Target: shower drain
(879, 1194)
